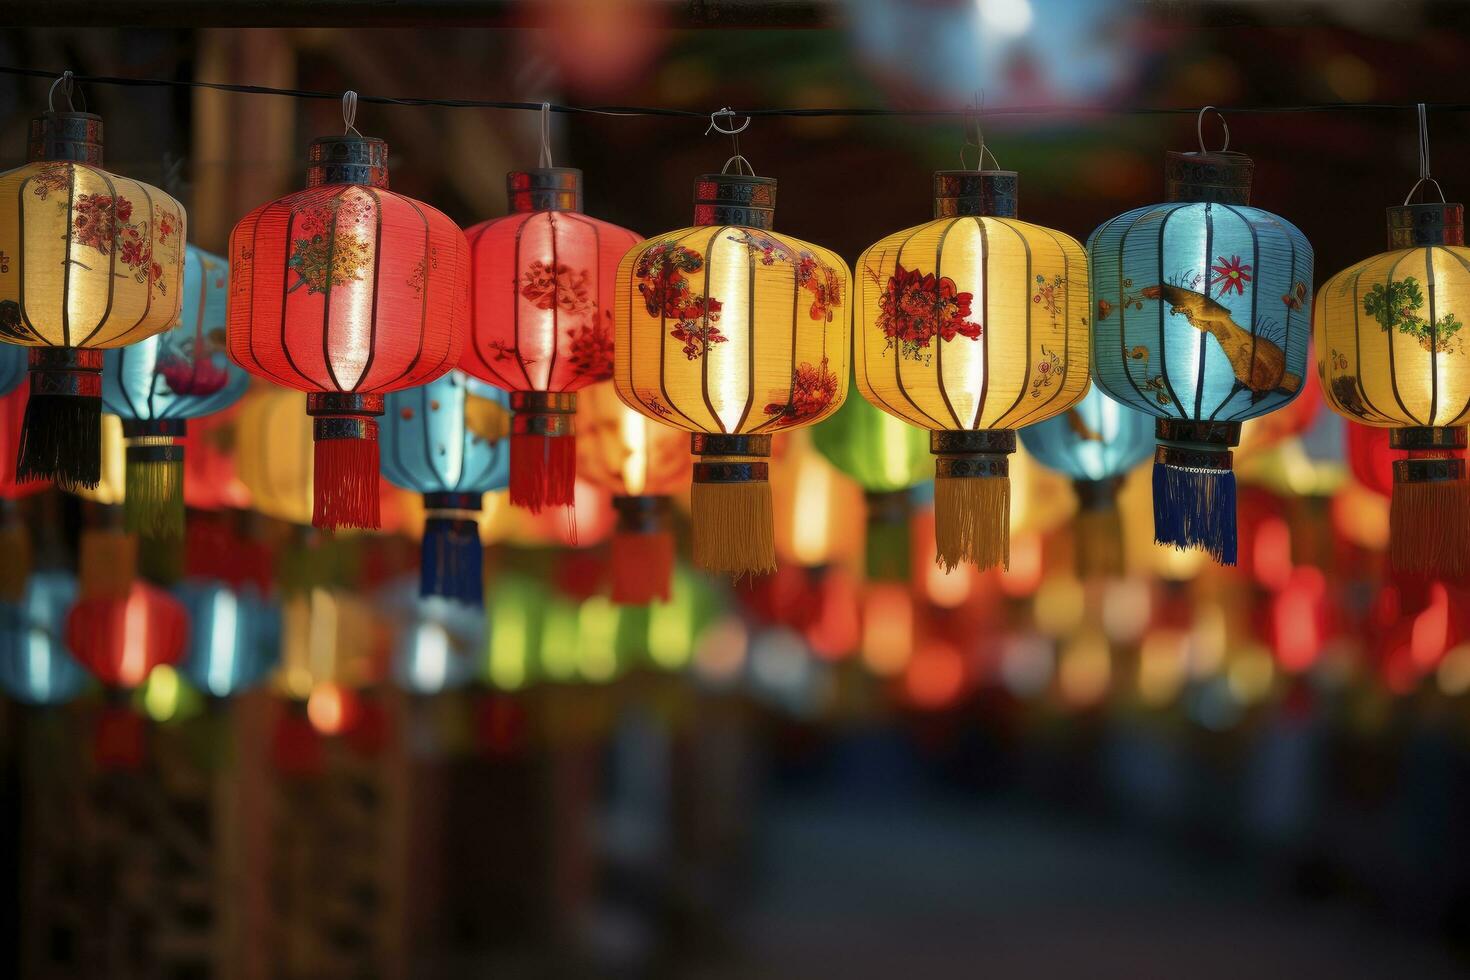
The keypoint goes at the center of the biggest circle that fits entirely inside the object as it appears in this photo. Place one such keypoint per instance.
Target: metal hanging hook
(66, 82)
(349, 113)
(742, 165)
(1199, 128)
(546, 135)
(1424, 176)
(972, 122)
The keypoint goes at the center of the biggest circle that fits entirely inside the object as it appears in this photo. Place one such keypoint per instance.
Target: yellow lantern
(1391, 353)
(732, 333)
(972, 326)
(274, 454)
(90, 261)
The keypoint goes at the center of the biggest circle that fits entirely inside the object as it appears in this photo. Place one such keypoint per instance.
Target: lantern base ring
(1424, 438)
(642, 514)
(135, 429)
(1206, 436)
(733, 522)
(330, 403)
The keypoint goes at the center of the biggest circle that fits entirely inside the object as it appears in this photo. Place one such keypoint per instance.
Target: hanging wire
(349, 113)
(1199, 129)
(973, 128)
(1424, 176)
(66, 81)
(742, 165)
(546, 136)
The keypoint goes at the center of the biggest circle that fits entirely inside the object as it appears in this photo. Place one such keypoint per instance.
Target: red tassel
(345, 483)
(543, 470)
(642, 567)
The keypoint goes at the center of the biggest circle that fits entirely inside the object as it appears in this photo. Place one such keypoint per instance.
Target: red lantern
(120, 639)
(347, 291)
(541, 321)
(1370, 457)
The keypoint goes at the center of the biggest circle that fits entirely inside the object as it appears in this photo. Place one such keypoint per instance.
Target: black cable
(614, 110)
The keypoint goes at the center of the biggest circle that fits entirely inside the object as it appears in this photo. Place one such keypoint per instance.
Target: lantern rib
(111, 255)
(1358, 349)
(20, 258)
(1026, 372)
(1021, 420)
(1255, 311)
(250, 315)
(474, 347)
(1163, 314)
(1393, 378)
(1466, 408)
(555, 307)
(367, 366)
(285, 295)
(750, 347)
(1433, 336)
(897, 359)
(71, 194)
(114, 340)
(709, 263)
(985, 318)
(331, 285)
(860, 299)
(663, 339)
(516, 305)
(1142, 403)
(1204, 335)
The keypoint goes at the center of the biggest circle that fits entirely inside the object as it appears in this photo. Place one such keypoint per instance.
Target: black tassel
(61, 440)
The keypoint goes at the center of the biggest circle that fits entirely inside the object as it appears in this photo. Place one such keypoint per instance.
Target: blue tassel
(1195, 508)
(451, 561)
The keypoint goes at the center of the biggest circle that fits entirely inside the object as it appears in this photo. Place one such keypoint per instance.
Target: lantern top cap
(1430, 223)
(544, 189)
(1213, 176)
(74, 136)
(735, 199)
(349, 159)
(988, 193)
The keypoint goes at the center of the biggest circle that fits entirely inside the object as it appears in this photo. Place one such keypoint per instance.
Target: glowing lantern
(234, 637)
(541, 298)
(1203, 309)
(972, 326)
(92, 261)
(347, 291)
(35, 665)
(273, 454)
(1371, 457)
(437, 644)
(210, 479)
(818, 512)
(1390, 355)
(156, 385)
(641, 463)
(121, 638)
(429, 448)
(732, 332)
(1096, 442)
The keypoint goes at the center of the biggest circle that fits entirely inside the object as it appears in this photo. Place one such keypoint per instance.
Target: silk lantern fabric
(234, 638)
(430, 448)
(642, 463)
(158, 384)
(542, 321)
(733, 333)
(1203, 315)
(972, 325)
(347, 291)
(121, 638)
(35, 665)
(1391, 354)
(88, 260)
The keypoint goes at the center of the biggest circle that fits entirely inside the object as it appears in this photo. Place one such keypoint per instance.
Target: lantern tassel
(642, 566)
(451, 561)
(153, 501)
(1195, 508)
(1099, 544)
(972, 521)
(61, 440)
(345, 482)
(543, 470)
(1429, 528)
(734, 530)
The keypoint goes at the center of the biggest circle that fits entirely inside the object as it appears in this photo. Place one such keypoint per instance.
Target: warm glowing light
(634, 430)
(559, 642)
(811, 531)
(325, 708)
(132, 668)
(321, 651)
(1178, 565)
(1024, 575)
(1453, 674)
(597, 654)
(1005, 19)
(1295, 613)
(1271, 555)
(1208, 641)
(948, 590)
(1026, 665)
(935, 677)
(719, 654)
(1250, 674)
(161, 696)
(1059, 605)
(431, 664)
(1085, 670)
(509, 638)
(1127, 606)
(888, 628)
(1162, 666)
(1361, 516)
(1431, 630)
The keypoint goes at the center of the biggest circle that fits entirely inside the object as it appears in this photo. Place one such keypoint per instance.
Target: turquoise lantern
(446, 440)
(1096, 443)
(438, 645)
(157, 384)
(1202, 311)
(13, 359)
(234, 637)
(35, 665)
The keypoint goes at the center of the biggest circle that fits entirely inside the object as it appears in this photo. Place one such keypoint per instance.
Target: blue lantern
(35, 665)
(437, 441)
(13, 360)
(438, 644)
(1202, 312)
(157, 384)
(234, 637)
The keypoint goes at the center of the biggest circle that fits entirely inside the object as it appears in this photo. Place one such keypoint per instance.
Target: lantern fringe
(153, 498)
(734, 528)
(61, 440)
(642, 566)
(888, 549)
(543, 470)
(451, 561)
(345, 483)
(1429, 528)
(972, 521)
(15, 545)
(1195, 508)
(1099, 543)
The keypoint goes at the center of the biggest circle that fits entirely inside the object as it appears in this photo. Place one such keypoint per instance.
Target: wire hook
(733, 132)
(546, 135)
(66, 82)
(972, 118)
(1424, 176)
(349, 113)
(1199, 128)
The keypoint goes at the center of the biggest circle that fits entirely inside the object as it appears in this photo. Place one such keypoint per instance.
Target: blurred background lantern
(517, 616)
(211, 481)
(818, 510)
(971, 326)
(732, 332)
(234, 637)
(1391, 355)
(1203, 312)
(329, 636)
(436, 643)
(35, 665)
(156, 385)
(887, 457)
(1096, 443)
(15, 535)
(96, 261)
(119, 639)
(273, 454)
(1370, 456)
(347, 291)
(541, 323)
(429, 448)
(642, 463)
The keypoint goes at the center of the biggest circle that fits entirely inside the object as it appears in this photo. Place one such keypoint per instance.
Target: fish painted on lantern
(1259, 364)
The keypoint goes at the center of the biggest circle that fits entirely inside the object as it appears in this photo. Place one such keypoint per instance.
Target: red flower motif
(591, 351)
(915, 308)
(189, 377)
(561, 287)
(812, 389)
(1230, 275)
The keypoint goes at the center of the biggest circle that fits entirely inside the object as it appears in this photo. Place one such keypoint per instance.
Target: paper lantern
(347, 291)
(642, 463)
(818, 511)
(35, 665)
(1096, 443)
(1390, 354)
(157, 385)
(234, 637)
(541, 299)
(121, 638)
(1370, 457)
(1203, 310)
(429, 448)
(972, 326)
(732, 332)
(92, 260)
(274, 453)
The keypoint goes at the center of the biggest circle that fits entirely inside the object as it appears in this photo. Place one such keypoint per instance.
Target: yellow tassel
(972, 521)
(733, 528)
(1099, 543)
(153, 502)
(15, 545)
(109, 563)
(1429, 528)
